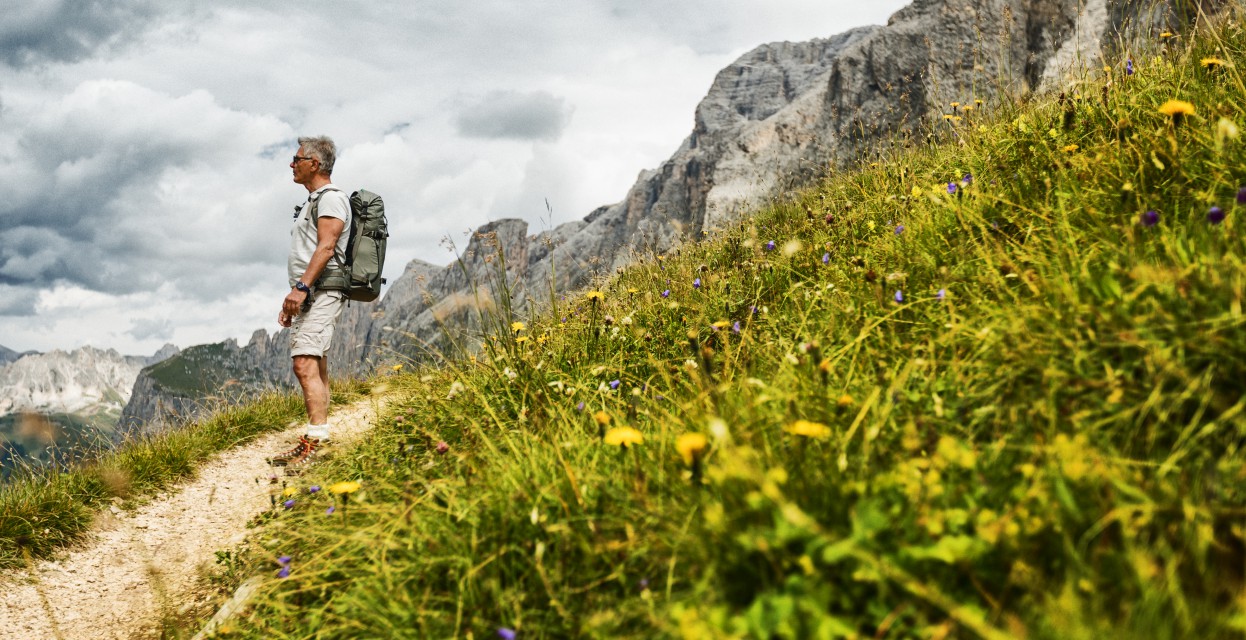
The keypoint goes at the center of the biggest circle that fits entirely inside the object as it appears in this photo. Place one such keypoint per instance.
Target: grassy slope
(1053, 448)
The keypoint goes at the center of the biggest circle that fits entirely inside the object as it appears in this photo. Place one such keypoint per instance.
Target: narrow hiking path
(136, 567)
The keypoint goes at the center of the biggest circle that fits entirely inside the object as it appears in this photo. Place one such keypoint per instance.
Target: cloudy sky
(145, 193)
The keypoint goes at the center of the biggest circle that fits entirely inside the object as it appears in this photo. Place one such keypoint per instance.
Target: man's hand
(290, 307)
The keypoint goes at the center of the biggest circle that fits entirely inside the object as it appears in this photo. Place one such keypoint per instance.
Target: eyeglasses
(297, 158)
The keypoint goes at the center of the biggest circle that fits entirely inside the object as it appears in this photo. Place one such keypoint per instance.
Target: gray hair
(322, 149)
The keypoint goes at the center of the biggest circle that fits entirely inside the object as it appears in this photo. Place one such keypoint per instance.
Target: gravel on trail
(136, 567)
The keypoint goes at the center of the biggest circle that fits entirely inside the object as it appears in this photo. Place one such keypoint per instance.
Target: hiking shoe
(296, 464)
(281, 459)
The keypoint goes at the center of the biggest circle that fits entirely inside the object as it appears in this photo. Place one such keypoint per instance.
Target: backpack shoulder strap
(315, 205)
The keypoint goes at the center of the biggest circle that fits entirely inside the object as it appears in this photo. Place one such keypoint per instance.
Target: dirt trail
(136, 566)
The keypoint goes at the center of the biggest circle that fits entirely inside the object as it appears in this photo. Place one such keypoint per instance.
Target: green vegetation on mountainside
(199, 371)
(990, 388)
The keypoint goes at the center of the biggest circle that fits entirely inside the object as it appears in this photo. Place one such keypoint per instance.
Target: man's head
(314, 160)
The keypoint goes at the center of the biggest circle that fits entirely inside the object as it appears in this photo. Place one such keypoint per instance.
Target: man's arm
(328, 230)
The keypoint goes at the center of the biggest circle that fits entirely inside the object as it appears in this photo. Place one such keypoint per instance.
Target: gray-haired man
(311, 314)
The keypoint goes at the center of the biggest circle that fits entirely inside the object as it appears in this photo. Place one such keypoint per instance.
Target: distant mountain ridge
(774, 119)
(87, 382)
(8, 355)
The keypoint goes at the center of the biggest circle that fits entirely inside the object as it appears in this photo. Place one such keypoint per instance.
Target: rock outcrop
(777, 117)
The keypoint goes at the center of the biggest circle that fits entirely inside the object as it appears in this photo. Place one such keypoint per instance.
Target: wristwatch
(302, 287)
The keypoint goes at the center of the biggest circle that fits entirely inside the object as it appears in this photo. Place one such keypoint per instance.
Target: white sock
(318, 432)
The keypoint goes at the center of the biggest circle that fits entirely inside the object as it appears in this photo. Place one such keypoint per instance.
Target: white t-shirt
(303, 236)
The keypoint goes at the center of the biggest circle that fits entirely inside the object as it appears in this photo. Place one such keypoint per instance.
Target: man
(309, 312)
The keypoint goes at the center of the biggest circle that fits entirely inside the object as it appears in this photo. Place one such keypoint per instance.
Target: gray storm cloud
(101, 190)
(517, 116)
(38, 31)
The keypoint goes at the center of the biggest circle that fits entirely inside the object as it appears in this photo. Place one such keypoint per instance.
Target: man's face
(304, 167)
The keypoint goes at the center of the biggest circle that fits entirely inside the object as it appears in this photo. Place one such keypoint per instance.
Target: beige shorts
(311, 333)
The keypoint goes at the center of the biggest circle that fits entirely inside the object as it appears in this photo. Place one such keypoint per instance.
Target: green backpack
(360, 277)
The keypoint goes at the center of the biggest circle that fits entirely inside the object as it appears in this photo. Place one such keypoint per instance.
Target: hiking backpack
(360, 277)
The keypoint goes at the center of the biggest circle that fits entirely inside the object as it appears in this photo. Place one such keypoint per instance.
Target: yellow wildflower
(521, 339)
(809, 429)
(602, 418)
(721, 324)
(518, 326)
(916, 191)
(595, 295)
(1070, 148)
(349, 486)
(397, 367)
(691, 446)
(1211, 63)
(1166, 35)
(289, 491)
(624, 436)
(845, 401)
(1177, 109)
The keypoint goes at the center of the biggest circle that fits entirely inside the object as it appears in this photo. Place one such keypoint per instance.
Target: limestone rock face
(775, 118)
(86, 381)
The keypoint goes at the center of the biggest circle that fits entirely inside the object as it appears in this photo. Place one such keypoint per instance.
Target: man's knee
(306, 367)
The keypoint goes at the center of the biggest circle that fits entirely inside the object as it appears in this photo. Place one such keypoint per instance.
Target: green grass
(44, 510)
(1032, 405)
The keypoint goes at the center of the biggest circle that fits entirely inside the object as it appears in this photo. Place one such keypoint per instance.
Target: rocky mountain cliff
(777, 117)
(85, 382)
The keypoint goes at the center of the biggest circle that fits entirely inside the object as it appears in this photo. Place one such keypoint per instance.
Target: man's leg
(313, 375)
(324, 379)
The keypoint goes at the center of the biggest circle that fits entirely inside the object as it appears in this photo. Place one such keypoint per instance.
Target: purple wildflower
(442, 447)
(735, 328)
(967, 180)
(506, 634)
(770, 245)
(579, 407)
(313, 489)
(826, 257)
(666, 294)
(1215, 215)
(644, 584)
(1129, 67)
(1241, 195)
(283, 560)
(899, 296)
(284, 573)
(289, 504)
(951, 188)
(899, 229)
(330, 510)
(941, 294)
(696, 283)
(1150, 218)
(614, 384)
